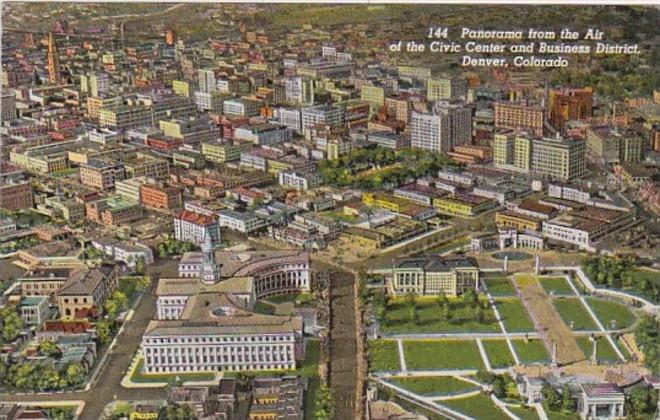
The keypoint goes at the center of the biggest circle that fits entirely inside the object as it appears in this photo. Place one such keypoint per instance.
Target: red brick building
(160, 197)
(16, 196)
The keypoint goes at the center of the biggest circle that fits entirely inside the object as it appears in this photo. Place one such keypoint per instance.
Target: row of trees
(349, 170)
(324, 406)
(647, 337)
(501, 385)
(446, 307)
(554, 400)
(12, 324)
(170, 246)
(619, 273)
(42, 376)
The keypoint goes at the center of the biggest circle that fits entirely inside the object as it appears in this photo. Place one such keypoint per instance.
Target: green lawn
(478, 406)
(442, 354)
(433, 385)
(397, 318)
(572, 310)
(608, 311)
(383, 355)
(498, 353)
(264, 307)
(527, 413)
(514, 315)
(557, 286)
(310, 370)
(532, 351)
(139, 377)
(605, 352)
(499, 285)
(556, 415)
(296, 298)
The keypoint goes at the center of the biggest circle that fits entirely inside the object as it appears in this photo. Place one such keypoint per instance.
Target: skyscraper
(450, 125)
(53, 61)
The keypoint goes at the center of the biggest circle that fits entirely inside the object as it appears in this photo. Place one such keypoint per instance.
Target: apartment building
(195, 227)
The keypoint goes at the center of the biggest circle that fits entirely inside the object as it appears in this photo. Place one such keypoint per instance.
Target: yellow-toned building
(463, 205)
(375, 95)
(434, 275)
(516, 221)
(181, 88)
(220, 153)
(383, 201)
(95, 104)
(337, 147)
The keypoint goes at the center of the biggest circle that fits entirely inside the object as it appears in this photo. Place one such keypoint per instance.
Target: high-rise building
(450, 125)
(299, 90)
(446, 88)
(8, 105)
(569, 104)
(54, 76)
(556, 158)
(519, 116)
(207, 82)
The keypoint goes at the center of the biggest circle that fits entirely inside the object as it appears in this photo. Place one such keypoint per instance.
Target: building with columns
(434, 274)
(601, 401)
(272, 272)
(215, 332)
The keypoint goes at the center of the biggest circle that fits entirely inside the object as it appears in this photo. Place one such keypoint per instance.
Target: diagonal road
(108, 385)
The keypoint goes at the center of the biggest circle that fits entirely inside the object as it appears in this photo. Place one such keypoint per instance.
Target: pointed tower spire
(53, 61)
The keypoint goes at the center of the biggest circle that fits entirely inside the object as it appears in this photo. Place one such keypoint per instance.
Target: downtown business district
(244, 159)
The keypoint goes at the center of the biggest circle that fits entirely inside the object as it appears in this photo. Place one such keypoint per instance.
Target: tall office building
(54, 76)
(446, 88)
(519, 116)
(322, 114)
(8, 105)
(207, 81)
(556, 158)
(299, 90)
(450, 125)
(569, 104)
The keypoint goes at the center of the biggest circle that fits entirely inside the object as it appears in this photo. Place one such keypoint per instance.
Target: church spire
(53, 61)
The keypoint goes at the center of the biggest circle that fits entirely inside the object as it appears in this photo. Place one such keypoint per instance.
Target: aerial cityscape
(233, 211)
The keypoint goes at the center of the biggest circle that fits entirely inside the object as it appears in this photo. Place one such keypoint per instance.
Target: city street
(107, 388)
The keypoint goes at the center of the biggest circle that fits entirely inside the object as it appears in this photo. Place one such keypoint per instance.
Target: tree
(141, 266)
(410, 299)
(445, 312)
(117, 303)
(412, 310)
(12, 324)
(178, 412)
(324, 407)
(143, 284)
(479, 313)
(442, 299)
(74, 374)
(639, 401)
(48, 378)
(104, 331)
(49, 348)
(499, 387)
(551, 397)
(470, 297)
(567, 401)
